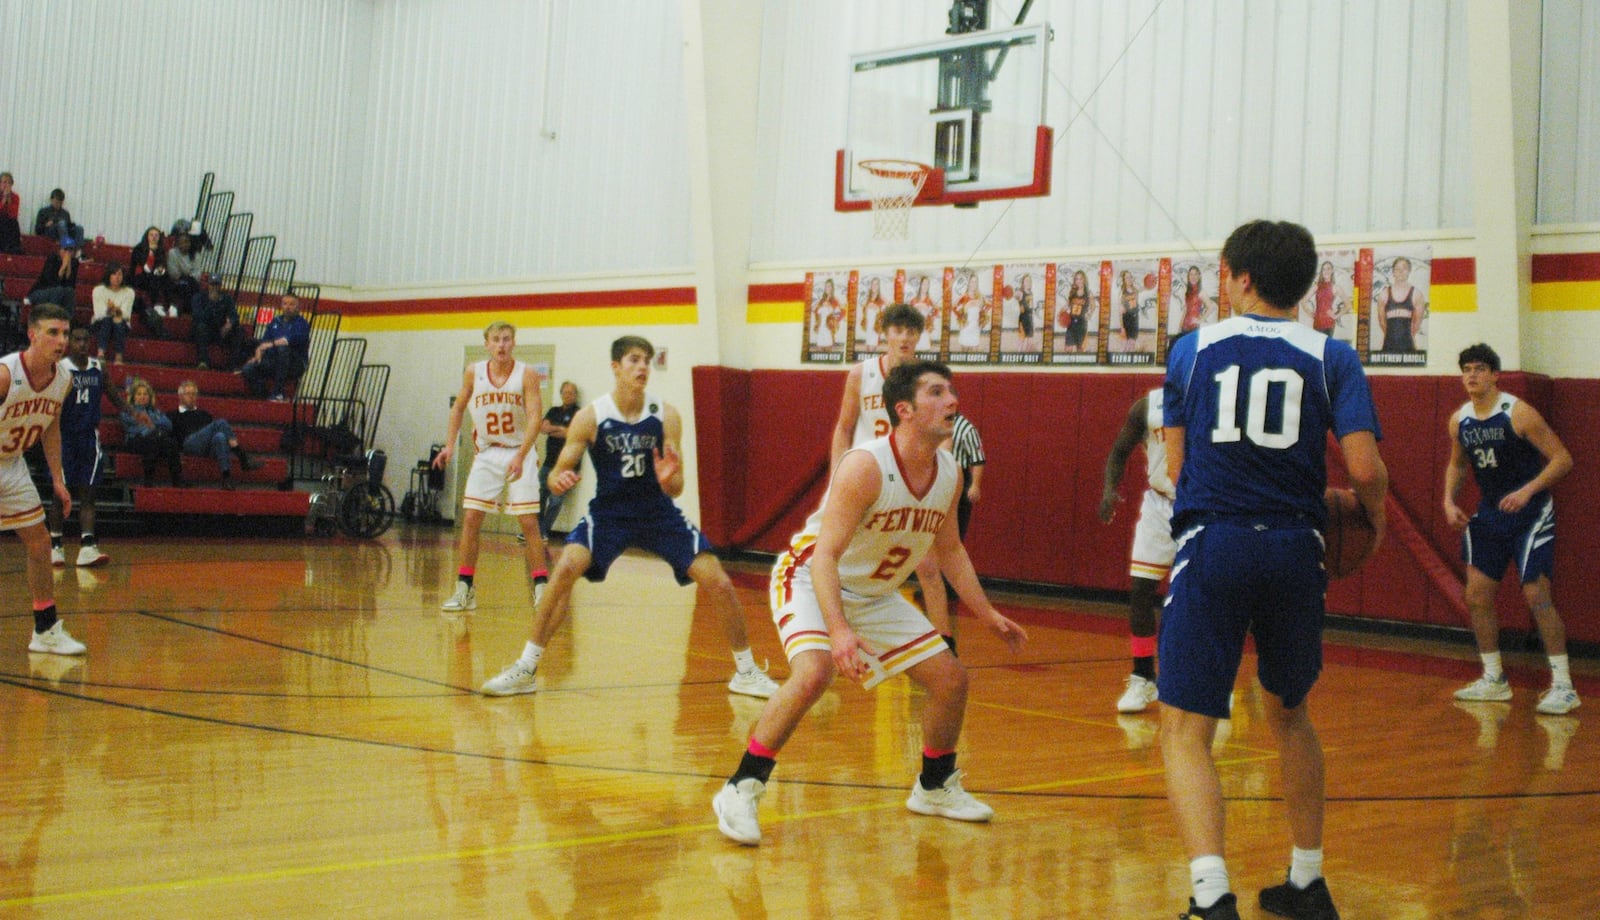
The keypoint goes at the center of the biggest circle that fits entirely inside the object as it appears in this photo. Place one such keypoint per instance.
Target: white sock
(530, 656)
(1305, 866)
(1209, 874)
(744, 660)
(1560, 671)
(1491, 665)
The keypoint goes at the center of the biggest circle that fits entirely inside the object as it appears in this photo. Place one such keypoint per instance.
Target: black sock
(935, 770)
(44, 619)
(1145, 667)
(949, 640)
(55, 540)
(464, 579)
(753, 766)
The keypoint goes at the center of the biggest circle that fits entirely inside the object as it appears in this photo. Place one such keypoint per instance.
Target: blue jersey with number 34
(1256, 398)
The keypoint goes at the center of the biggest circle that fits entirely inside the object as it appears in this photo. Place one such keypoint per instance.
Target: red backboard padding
(763, 441)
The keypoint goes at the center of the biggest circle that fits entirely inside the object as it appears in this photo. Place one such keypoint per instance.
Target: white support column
(1504, 40)
(722, 55)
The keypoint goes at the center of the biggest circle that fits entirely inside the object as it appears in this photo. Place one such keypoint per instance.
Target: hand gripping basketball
(1349, 537)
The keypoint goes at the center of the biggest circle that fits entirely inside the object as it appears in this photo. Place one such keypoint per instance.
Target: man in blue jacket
(281, 351)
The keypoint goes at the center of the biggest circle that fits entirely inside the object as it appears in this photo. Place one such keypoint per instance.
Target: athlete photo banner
(1397, 326)
(826, 326)
(1021, 313)
(969, 299)
(1073, 320)
(874, 291)
(1330, 306)
(1137, 310)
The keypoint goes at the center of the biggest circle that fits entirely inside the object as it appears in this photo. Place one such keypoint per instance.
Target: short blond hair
(496, 326)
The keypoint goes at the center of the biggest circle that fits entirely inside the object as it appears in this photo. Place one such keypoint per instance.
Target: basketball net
(893, 186)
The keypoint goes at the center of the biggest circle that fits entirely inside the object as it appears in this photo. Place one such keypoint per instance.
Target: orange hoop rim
(895, 169)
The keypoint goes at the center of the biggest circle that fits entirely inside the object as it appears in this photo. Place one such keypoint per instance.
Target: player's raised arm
(855, 486)
(844, 432)
(458, 409)
(1133, 431)
(580, 434)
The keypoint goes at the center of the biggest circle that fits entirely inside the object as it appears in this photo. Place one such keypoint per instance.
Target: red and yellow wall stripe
(641, 306)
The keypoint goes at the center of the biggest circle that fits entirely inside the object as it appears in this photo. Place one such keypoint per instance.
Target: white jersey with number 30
(499, 418)
(895, 532)
(27, 411)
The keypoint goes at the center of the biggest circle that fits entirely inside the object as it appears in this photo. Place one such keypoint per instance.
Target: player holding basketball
(632, 439)
(1515, 458)
(33, 384)
(1248, 403)
(1153, 546)
(864, 416)
(837, 607)
(502, 394)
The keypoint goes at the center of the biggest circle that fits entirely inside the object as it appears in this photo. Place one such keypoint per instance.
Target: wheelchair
(353, 499)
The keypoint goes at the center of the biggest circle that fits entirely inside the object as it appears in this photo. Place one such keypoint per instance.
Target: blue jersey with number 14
(1256, 398)
(623, 454)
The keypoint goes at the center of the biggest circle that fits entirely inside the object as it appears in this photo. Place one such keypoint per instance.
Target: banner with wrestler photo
(1397, 327)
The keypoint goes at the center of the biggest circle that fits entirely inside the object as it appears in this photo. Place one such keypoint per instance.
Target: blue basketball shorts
(82, 464)
(1495, 539)
(1237, 577)
(669, 536)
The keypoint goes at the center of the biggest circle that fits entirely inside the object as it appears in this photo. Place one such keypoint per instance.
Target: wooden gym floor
(271, 728)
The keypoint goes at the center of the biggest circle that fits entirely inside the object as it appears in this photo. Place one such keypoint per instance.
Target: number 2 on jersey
(500, 423)
(892, 561)
(1227, 429)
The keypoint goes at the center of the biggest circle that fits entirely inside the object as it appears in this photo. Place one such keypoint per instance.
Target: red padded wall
(1046, 437)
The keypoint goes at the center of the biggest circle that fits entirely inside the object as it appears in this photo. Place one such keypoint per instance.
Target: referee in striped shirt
(968, 448)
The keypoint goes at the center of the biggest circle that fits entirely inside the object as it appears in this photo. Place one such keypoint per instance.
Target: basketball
(1348, 535)
(1149, 280)
(1009, 293)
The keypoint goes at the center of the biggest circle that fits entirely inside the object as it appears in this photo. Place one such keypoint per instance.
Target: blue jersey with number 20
(1256, 397)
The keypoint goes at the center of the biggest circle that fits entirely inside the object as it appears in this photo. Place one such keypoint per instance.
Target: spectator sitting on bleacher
(10, 207)
(281, 352)
(202, 435)
(148, 265)
(216, 321)
(148, 432)
(53, 220)
(113, 303)
(58, 281)
(183, 272)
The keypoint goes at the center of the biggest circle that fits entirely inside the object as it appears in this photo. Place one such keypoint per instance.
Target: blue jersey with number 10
(1256, 398)
(623, 454)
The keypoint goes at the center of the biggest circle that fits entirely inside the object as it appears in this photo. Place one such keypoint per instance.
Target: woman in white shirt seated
(113, 303)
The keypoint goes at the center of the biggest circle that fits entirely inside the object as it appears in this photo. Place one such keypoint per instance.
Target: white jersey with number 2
(896, 531)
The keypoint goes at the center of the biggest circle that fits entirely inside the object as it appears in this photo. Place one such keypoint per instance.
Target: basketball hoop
(893, 188)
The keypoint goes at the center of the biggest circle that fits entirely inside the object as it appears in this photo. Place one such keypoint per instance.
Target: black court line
(689, 774)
